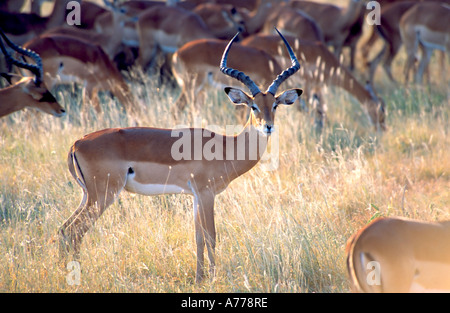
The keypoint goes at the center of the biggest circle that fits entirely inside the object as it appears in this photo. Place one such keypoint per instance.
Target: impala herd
(211, 44)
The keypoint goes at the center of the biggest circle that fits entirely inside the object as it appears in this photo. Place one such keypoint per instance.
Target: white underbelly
(153, 189)
(431, 277)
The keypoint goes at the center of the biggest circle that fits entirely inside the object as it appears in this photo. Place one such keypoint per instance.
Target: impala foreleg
(205, 231)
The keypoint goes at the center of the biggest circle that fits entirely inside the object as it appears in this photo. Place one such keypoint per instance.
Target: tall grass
(278, 231)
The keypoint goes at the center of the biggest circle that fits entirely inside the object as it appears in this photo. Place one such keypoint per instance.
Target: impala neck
(116, 33)
(252, 142)
(257, 18)
(349, 83)
(15, 100)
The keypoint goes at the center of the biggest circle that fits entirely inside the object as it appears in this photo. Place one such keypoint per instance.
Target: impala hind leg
(97, 197)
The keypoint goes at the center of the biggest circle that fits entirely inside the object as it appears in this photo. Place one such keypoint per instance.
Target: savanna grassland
(278, 231)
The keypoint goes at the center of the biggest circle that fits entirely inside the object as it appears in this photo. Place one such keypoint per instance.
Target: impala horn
(37, 69)
(286, 73)
(248, 82)
(240, 76)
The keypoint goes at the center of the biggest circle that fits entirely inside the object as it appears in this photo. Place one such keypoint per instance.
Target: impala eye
(47, 97)
(255, 108)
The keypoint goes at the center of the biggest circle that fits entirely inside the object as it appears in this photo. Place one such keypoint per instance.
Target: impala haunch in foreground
(400, 255)
(26, 92)
(141, 160)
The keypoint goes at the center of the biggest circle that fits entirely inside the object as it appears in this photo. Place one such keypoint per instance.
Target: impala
(322, 68)
(340, 26)
(424, 25)
(67, 59)
(389, 31)
(140, 160)
(167, 28)
(27, 92)
(400, 255)
(222, 20)
(386, 5)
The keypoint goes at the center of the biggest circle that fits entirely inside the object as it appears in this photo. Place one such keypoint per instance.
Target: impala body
(68, 59)
(400, 255)
(158, 161)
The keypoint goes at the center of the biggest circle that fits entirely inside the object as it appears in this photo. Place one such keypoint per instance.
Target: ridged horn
(286, 73)
(240, 76)
(37, 69)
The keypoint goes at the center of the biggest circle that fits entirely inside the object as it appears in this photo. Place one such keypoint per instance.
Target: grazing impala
(68, 59)
(28, 92)
(400, 255)
(146, 161)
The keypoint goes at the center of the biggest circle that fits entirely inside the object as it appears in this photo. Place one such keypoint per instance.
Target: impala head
(263, 104)
(40, 97)
(35, 93)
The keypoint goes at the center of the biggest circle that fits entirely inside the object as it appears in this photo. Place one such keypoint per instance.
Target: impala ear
(289, 96)
(237, 96)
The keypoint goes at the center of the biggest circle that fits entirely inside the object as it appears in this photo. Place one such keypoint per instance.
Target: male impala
(321, 68)
(400, 255)
(141, 160)
(425, 25)
(28, 92)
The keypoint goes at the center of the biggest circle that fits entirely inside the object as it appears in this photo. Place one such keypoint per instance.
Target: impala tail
(363, 270)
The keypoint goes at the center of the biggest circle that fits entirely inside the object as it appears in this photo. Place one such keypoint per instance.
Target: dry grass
(280, 231)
